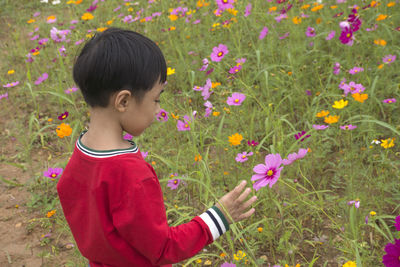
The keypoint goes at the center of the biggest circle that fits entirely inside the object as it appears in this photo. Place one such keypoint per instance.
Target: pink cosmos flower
(42, 78)
(144, 154)
(235, 69)
(43, 41)
(162, 115)
(252, 143)
(206, 93)
(355, 202)
(219, 52)
(346, 36)
(300, 135)
(59, 36)
(228, 264)
(205, 65)
(242, 157)
(281, 17)
(236, 99)
(127, 137)
(247, 12)
(284, 36)
(356, 70)
(8, 85)
(372, 28)
(348, 127)
(209, 108)
(225, 4)
(241, 60)
(263, 33)
(330, 35)
(5, 95)
(320, 127)
(269, 173)
(310, 32)
(336, 68)
(71, 90)
(397, 223)
(353, 88)
(389, 100)
(174, 183)
(63, 116)
(389, 59)
(183, 125)
(295, 156)
(53, 173)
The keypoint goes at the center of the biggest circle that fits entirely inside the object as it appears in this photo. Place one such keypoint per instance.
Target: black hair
(118, 59)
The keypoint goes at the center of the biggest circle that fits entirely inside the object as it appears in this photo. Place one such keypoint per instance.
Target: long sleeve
(140, 218)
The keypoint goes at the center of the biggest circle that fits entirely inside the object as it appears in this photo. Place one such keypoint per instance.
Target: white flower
(375, 141)
(56, 2)
(44, 1)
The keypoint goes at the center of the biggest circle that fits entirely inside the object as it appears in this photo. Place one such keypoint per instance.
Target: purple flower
(71, 90)
(183, 125)
(5, 95)
(228, 264)
(355, 202)
(281, 17)
(53, 173)
(225, 4)
(206, 93)
(330, 35)
(63, 116)
(310, 32)
(252, 143)
(205, 65)
(308, 92)
(235, 69)
(144, 154)
(162, 115)
(269, 173)
(8, 85)
(263, 33)
(242, 157)
(209, 108)
(43, 41)
(348, 127)
(353, 88)
(91, 8)
(219, 52)
(392, 256)
(320, 127)
(346, 36)
(236, 99)
(389, 59)
(284, 36)
(174, 183)
(295, 156)
(59, 36)
(372, 29)
(389, 100)
(300, 134)
(247, 12)
(356, 70)
(366, 219)
(336, 68)
(397, 223)
(128, 137)
(42, 78)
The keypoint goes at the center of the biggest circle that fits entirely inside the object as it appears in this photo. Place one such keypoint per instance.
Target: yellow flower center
(236, 100)
(389, 59)
(186, 125)
(220, 54)
(346, 127)
(355, 70)
(352, 88)
(63, 116)
(243, 157)
(53, 175)
(270, 173)
(390, 101)
(163, 114)
(348, 35)
(175, 181)
(224, 1)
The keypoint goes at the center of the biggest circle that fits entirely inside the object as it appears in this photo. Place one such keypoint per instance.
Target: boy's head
(115, 60)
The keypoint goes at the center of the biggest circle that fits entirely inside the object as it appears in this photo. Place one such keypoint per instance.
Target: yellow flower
(340, 104)
(110, 22)
(391, 4)
(10, 72)
(350, 264)
(232, 11)
(259, 229)
(323, 113)
(170, 71)
(316, 8)
(173, 17)
(51, 18)
(198, 261)
(216, 113)
(272, 9)
(63, 130)
(360, 97)
(381, 17)
(296, 20)
(239, 255)
(388, 143)
(201, 3)
(30, 21)
(372, 213)
(235, 139)
(87, 16)
(333, 7)
(305, 6)
(380, 42)
(375, 3)
(215, 84)
(207, 262)
(331, 119)
(130, 9)
(50, 213)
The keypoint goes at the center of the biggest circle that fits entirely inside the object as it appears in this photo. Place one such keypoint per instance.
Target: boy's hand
(234, 203)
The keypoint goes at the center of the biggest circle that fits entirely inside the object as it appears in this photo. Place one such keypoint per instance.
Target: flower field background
(299, 98)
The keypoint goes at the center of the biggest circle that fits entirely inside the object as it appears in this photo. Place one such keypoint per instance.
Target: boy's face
(139, 116)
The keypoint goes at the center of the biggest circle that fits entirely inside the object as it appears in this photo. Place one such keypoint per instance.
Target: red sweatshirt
(113, 203)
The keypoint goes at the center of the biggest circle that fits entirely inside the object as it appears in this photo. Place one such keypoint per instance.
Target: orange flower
(391, 4)
(235, 139)
(318, 21)
(173, 17)
(197, 157)
(375, 3)
(296, 20)
(331, 119)
(305, 6)
(201, 3)
(323, 113)
(381, 17)
(77, 2)
(50, 213)
(380, 66)
(316, 8)
(87, 16)
(31, 21)
(360, 97)
(215, 84)
(63, 130)
(380, 42)
(272, 9)
(102, 29)
(333, 7)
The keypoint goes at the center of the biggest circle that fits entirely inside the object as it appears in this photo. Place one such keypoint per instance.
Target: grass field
(246, 79)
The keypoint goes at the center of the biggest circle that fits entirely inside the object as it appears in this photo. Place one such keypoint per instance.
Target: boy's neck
(105, 132)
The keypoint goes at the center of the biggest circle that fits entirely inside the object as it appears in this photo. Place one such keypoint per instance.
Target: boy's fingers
(238, 189)
(249, 202)
(244, 195)
(247, 214)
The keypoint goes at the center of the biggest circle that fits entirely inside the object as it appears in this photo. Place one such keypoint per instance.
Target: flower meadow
(299, 98)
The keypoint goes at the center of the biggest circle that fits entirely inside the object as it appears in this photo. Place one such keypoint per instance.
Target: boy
(110, 196)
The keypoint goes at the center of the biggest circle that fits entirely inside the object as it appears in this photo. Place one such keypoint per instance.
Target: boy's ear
(122, 99)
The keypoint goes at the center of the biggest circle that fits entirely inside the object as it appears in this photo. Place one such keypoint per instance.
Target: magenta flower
(183, 125)
(320, 127)
(209, 107)
(205, 65)
(348, 127)
(144, 154)
(263, 33)
(346, 36)
(53, 173)
(392, 256)
(174, 183)
(352, 88)
(219, 52)
(397, 223)
(300, 134)
(8, 85)
(269, 173)
(206, 93)
(228, 264)
(59, 36)
(5, 95)
(42, 78)
(63, 116)
(281, 17)
(225, 4)
(389, 59)
(71, 90)
(336, 68)
(355, 202)
(284, 36)
(330, 35)
(236, 99)
(252, 143)
(127, 137)
(310, 32)
(356, 70)
(242, 157)
(162, 115)
(235, 69)
(247, 12)
(295, 156)
(389, 100)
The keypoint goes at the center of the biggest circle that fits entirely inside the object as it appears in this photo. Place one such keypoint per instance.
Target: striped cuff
(215, 221)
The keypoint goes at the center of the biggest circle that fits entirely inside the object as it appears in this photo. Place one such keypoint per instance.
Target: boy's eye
(158, 101)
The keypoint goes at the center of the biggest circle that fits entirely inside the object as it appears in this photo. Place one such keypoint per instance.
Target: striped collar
(104, 153)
